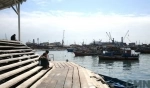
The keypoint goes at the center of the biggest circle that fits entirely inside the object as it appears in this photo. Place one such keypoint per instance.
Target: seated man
(44, 60)
(13, 37)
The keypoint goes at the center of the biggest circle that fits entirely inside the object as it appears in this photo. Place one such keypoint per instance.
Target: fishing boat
(117, 83)
(87, 51)
(79, 53)
(70, 49)
(143, 50)
(125, 55)
(118, 57)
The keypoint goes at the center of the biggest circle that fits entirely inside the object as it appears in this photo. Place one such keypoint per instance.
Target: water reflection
(127, 65)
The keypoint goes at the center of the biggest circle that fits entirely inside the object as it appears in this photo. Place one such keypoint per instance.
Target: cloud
(56, 0)
(41, 2)
(78, 26)
(45, 2)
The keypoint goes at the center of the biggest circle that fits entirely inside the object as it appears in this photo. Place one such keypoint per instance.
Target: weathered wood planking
(70, 75)
(63, 65)
(11, 73)
(14, 47)
(18, 50)
(17, 64)
(47, 78)
(76, 79)
(19, 58)
(61, 78)
(68, 82)
(15, 44)
(7, 41)
(17, 79)
(12, 54)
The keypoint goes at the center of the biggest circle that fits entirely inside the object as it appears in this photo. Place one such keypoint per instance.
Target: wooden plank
(68, 82)
(56, 65)
(19, 58)
(21, 47)
(99, 84)
(61, 78)
(53, 84)
(9, 41)
(84, 83)
(5, 47)
(62, 65)
(17, 50)
(17, 79)
(49, 82)
(76, 79)
(11, 73)
(26, 53)
(42, 83)
(18, 44)
(17, 64)
(66, 64)
(75, 65)
(69, 63)
(102, 80)
(89, 80)
(94, 80)
(31, 80)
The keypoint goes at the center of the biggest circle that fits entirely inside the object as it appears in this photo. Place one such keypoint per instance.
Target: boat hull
(85, 54)
(118, 57)
(70, 50)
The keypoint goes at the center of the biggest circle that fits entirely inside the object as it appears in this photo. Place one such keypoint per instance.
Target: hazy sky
(82, 20)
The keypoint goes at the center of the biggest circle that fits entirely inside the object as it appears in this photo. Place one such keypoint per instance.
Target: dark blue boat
(125, 55)
(70, 49)
(116, 83)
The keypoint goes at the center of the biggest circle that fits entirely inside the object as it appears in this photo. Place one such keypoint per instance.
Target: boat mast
(63, 38)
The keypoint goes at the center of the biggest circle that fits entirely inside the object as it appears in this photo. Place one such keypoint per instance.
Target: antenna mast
(63, 38)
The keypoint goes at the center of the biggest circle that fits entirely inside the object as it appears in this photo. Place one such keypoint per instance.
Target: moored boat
(125, 55)
(70, 49)
(85, 54)
(117, 57)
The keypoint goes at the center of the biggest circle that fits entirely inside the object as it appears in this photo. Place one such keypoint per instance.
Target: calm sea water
(124, 70)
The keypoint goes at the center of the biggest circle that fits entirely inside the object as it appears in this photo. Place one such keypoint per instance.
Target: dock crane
(126, 35)
(109, 36)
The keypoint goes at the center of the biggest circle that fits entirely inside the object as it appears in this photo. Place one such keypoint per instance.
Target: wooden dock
(70, 75)
(19, 69)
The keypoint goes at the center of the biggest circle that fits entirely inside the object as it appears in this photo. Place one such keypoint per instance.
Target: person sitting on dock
(44, 60)
(13, 37)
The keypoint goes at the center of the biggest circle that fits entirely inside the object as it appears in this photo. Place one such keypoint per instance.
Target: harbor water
(124, 70)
